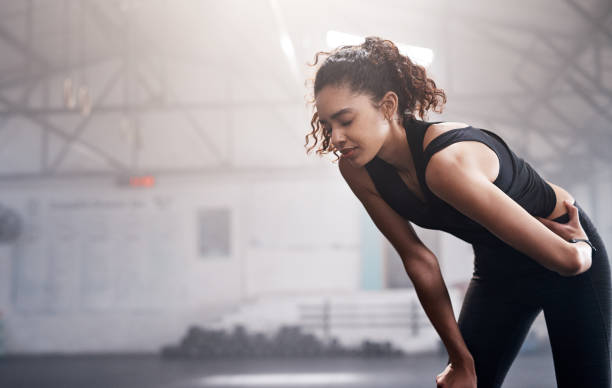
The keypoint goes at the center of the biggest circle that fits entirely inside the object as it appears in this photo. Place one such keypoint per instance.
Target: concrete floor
(150, 371)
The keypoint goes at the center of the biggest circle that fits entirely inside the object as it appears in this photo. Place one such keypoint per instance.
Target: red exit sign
(142, 181)
(137, 181)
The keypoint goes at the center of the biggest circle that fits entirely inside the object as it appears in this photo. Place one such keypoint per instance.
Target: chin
(354, 162)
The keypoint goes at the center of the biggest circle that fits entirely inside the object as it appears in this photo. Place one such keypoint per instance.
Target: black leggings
(506, 293)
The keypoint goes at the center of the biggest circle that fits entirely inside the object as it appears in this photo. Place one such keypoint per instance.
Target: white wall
(101, 268)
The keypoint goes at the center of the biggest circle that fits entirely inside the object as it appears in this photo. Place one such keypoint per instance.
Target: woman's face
(358, 129)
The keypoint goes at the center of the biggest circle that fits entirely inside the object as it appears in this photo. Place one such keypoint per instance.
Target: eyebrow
(338, 113)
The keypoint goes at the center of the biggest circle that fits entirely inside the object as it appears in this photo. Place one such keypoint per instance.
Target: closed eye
(325, 127)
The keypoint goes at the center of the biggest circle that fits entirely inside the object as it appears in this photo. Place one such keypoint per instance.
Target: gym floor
(534, 370)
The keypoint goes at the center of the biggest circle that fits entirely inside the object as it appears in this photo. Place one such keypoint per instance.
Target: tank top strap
(415, 133)
(452, 136)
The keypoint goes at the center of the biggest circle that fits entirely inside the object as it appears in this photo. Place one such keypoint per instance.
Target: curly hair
(373, 68)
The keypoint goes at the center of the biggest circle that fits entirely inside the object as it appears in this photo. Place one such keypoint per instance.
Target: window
(214, 233)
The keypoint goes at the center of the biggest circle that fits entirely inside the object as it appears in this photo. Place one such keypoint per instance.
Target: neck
(396, 150)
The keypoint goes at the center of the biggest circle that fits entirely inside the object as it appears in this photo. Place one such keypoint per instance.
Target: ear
(389, 104)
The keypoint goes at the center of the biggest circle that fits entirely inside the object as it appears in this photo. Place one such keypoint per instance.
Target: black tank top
(516, 178)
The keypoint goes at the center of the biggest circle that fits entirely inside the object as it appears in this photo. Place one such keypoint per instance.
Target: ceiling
(198, 87)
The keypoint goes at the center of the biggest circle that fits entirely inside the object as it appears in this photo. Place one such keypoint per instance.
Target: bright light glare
(284, 379)
(420, 55)
(287, 46)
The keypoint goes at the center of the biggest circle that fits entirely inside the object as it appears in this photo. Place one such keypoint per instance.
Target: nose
(337, 138)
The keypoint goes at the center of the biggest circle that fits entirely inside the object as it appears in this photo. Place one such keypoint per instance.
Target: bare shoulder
(435, 130)
(357, 178)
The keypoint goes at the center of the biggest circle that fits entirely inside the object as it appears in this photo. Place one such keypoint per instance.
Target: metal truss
(565, 76)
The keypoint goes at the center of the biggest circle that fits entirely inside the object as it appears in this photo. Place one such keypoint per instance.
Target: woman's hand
(457, 376)
(569, 230)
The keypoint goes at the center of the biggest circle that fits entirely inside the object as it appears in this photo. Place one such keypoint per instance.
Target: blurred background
(162, 225)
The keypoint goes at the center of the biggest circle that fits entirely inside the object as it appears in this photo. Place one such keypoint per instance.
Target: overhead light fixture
(420, 55)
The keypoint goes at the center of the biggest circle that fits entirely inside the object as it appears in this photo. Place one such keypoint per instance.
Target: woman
(535, 248)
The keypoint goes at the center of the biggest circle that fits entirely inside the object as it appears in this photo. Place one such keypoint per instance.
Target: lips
(348, 151)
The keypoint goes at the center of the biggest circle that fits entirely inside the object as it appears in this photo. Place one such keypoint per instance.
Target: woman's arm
(420, 263)
(455, 175)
